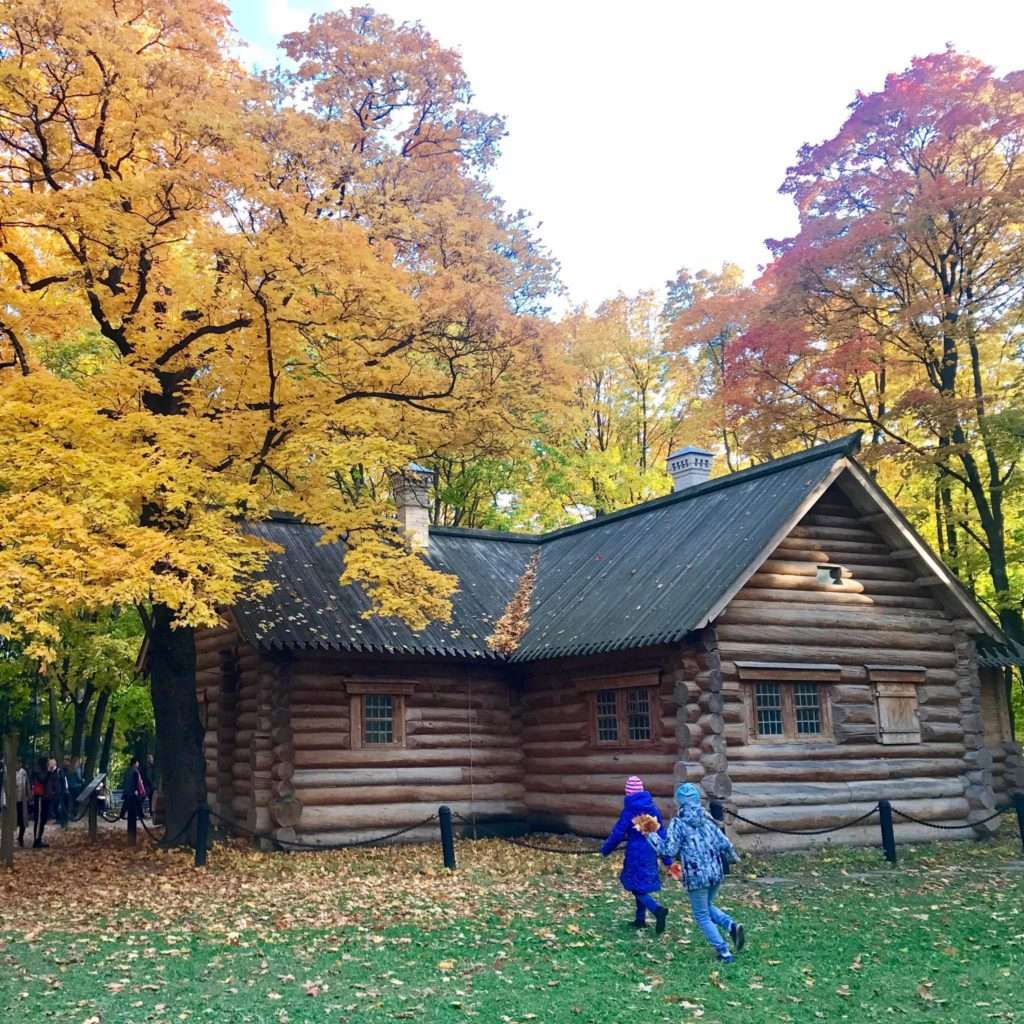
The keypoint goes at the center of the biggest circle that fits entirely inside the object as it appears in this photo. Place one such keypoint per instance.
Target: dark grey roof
(993, 654)
(646, 575)
(309, 609)
(652, 573)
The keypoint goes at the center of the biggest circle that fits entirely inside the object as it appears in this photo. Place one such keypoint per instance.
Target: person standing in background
(23, 795)
(62, 805)
(133, 790)
(148, 769)
(40, 780)
(76, 783)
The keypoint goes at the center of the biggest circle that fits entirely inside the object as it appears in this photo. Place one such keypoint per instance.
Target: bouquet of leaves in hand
(645, 824)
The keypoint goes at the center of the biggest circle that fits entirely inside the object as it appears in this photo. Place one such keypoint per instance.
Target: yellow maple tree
(287, 288)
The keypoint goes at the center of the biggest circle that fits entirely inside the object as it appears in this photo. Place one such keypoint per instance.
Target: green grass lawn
(514, 936)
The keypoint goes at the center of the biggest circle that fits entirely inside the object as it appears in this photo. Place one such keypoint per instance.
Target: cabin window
(607, 717)
(768, 701)
(378, 718)
(787, 711)
(377, 711)
(623, 715)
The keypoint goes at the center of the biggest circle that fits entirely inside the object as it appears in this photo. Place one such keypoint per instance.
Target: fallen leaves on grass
(244, 893)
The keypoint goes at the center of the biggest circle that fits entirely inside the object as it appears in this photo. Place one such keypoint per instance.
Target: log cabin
(780, 636)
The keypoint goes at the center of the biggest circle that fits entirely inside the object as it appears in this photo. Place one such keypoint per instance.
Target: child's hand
(646, 824)
(676, 871)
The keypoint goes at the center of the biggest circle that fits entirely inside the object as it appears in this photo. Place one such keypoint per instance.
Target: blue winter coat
(640, 866)
(700, 845)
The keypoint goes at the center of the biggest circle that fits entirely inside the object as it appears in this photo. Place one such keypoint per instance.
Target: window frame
(787, 695)
(622, 716)
(788, 678)
(622, 686)
(358, 691)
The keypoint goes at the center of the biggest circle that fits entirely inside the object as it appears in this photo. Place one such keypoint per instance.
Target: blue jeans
(644, 902)
(709, 918)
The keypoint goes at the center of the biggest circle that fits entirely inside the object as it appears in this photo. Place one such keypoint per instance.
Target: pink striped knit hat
(634, 784)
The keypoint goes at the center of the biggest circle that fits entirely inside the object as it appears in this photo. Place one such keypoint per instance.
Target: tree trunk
(108, 743)
(172, 655)
(55, 724)
(10, 793)
(92, 741)
(81, 716)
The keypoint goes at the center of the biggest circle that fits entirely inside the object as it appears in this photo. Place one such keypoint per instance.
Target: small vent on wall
(832, 575)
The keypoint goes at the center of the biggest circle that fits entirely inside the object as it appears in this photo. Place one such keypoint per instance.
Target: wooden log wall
(572, 783)
(880, 614)
(1007, 763)
(209, 678)
(224, 665)
(462, 748)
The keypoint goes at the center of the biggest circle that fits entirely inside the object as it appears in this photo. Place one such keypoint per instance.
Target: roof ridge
(844, 446)
(511, 536)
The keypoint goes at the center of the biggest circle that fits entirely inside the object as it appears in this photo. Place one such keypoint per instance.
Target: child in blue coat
(639, 874)
(701, 846)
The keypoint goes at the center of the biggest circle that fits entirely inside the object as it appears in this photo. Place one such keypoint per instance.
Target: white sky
(652, 135)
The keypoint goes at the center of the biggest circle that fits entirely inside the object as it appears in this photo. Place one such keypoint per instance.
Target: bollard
(1018, 803)
(717, 811)
(202, 834)
(888, 835)
(444, 816)
(92, 819)
(133, 821)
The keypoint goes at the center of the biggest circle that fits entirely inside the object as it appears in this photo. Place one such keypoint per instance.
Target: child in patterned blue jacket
(701, 846)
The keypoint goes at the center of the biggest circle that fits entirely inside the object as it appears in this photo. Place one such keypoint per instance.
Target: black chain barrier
(999, 811)
(296, 845)
(157, 840)
(445, 817)
(163, 841)
(72, 818)
(526, 844)
(802, 832)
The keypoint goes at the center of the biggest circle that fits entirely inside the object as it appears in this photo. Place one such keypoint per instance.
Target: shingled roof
(647, 575)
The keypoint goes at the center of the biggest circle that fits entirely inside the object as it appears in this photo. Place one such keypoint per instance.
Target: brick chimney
(689, 466)
(411, 490)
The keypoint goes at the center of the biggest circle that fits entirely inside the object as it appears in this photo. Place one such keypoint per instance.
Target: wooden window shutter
(898, 721)
(994, 710)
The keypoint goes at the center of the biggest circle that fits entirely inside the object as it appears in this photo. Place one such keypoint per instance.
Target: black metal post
(1018, 803)
(444, 816)
(888, 835)
(133, 821)
(202, 834)
(92, 819)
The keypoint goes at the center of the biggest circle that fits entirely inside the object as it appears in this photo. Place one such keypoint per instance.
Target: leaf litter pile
(109, 935)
